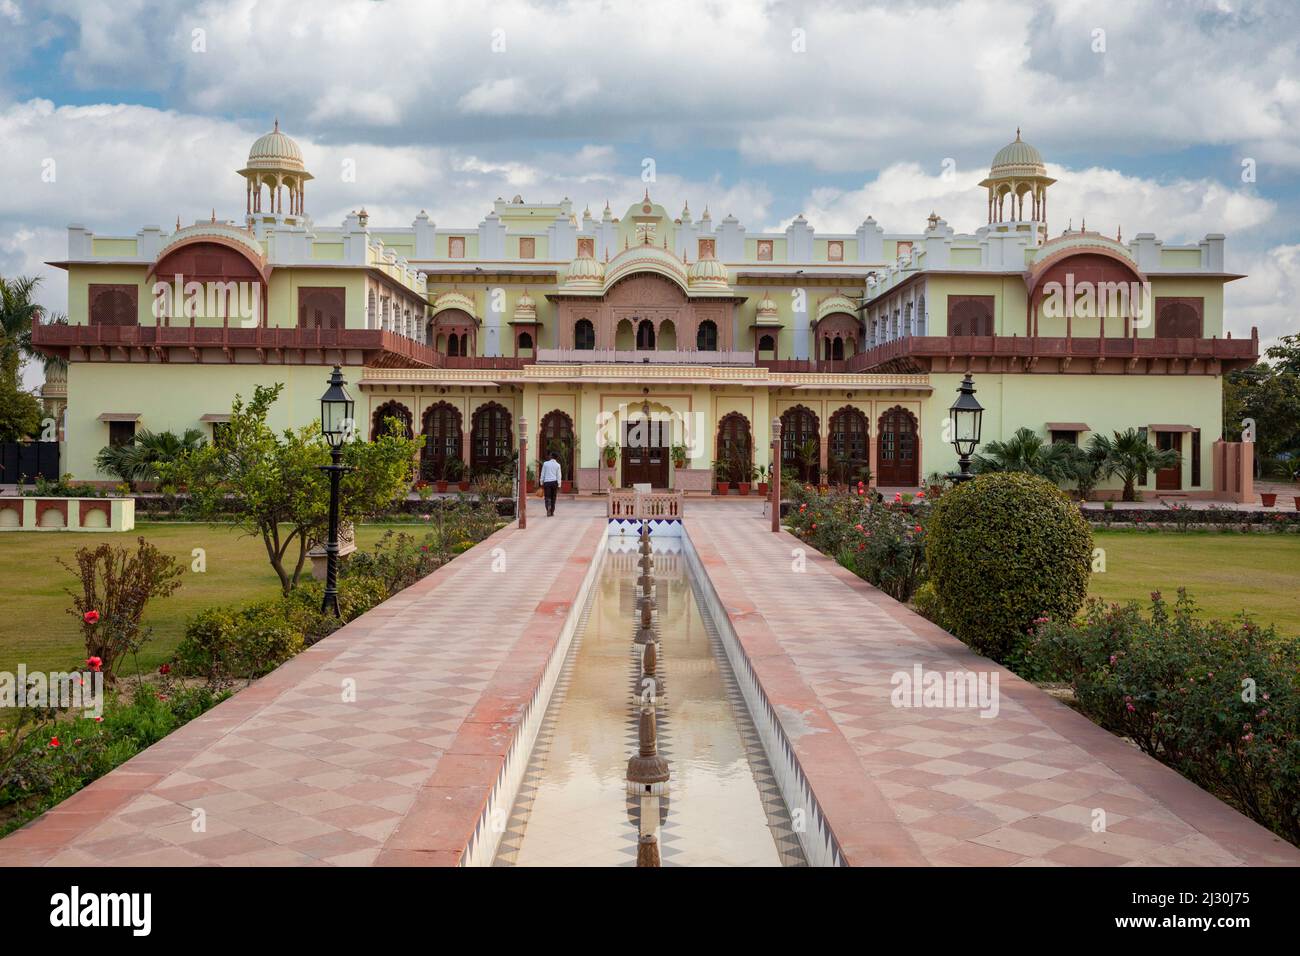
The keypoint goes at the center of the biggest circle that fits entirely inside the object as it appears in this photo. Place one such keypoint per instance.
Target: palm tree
(18, 311)
(139, 459)
(1026, 452)
(1129, 455)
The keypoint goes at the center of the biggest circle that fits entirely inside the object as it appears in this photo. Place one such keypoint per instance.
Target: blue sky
(1145, 111)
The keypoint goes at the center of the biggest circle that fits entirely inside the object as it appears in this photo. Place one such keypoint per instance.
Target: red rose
(54, 741)
(94, 663)
(165, 669)
(91, 617)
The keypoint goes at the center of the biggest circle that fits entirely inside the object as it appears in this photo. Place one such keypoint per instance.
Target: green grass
(35, 628)
(1225, 573)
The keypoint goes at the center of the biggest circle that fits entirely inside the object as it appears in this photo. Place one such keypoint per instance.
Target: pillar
(775, 488)
(521, 504)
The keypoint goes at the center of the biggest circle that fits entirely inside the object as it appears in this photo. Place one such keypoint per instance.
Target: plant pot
(462, 485)
(610, 461)
(679, 465)
(532, 486)
(442, 485)
(743, 487)
(762, 487)
(1269, 500)
(566, 487)
(723, 487)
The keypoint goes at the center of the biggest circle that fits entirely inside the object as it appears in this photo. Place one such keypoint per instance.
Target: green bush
(1218, 701)
(221, 645)
(926, 603)
(1006, 550)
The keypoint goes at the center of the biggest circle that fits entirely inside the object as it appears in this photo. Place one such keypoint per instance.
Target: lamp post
(966, 414)
(337, 425)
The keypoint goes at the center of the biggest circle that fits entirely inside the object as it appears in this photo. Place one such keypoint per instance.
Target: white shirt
(550, 470)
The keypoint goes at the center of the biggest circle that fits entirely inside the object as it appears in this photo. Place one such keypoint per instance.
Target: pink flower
(898, 496)
(165, 669)
(94, 663)
(857, 527)
(91, 617)
(1130, 707)
(920, 494)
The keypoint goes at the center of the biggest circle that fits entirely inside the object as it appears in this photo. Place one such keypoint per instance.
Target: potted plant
(532, 479)
(610, 453)
(722, 476)
(456, 472)
(761, 473)
(1268, 498)
(441, 480)
(745, 474)
(678, 453)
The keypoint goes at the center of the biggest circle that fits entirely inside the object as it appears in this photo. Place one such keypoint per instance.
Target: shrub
(116, 585)
(1006, 550)
(880, 541)
(397, 560)
(221, 645)
(926, 603)
(1218, 701)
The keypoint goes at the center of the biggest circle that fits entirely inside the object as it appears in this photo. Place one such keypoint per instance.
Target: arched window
(706, 339)
(453, 344)
(392, 409)
(736, 446)
(490, 439)
(116, 305)
(525, 343)
(801, 443)
(584, 335)
(1178, 320)
(837, 350)
(442, 440)
(849, 456)
(372, 320)
(557, 436)
(645, 334)
(766, 344)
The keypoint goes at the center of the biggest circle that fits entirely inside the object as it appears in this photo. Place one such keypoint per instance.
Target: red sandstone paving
(288, 774)
(1017, 789)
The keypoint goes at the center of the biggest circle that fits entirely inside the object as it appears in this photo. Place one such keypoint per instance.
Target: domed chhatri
(275, 164)
(707, 272)
(275, 150)
(1018, 157)
(1018, 174)
(585, 273)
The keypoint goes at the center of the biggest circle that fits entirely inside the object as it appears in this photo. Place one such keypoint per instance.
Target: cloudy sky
(1179, 117)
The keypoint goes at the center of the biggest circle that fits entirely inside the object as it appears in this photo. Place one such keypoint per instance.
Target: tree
(1129, 455)
(20, 412)
(140, 459)
(274, 485)
(18, 312)
(1026, 452)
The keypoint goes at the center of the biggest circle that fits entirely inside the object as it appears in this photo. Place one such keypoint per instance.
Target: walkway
(286, 773)
(918, 786)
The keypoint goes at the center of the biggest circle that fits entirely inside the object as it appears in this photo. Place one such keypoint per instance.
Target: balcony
(1014, 353)
(643, 357)
(133, 343)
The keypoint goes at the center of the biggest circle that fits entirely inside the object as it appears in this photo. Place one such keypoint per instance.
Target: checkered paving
(1036, 785)
(289, 772)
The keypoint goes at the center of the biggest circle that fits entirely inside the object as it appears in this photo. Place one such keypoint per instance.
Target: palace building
(652, 331)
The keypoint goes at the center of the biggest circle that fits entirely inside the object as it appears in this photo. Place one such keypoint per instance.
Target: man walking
(550, 482)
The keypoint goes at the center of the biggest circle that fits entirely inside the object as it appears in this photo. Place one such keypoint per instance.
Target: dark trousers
(549, 489)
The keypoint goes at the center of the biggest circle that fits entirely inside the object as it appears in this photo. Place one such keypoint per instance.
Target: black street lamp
(965, 414)
(337, 425)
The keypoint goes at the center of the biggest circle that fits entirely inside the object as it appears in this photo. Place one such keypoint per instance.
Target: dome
(1018, 158)
(834, 304)
(525, 308)
(275, 151)
(584, 272)
(707, 273)
(766, 307)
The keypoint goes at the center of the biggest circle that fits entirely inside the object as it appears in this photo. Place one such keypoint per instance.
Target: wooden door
(645, 455)
(896, 455)
(1170, 479)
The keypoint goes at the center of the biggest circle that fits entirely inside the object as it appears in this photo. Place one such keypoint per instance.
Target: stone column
(776, 474)
(521, 505)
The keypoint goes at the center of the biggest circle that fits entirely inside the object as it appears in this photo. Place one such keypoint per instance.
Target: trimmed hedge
(1006, 550)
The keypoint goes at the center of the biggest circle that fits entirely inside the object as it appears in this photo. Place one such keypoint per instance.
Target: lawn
(1224, 573)
(36, 629)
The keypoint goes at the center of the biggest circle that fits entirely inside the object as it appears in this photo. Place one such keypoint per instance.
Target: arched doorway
(647, 444)
(735, 446)
(584, 335)
(490, 439)
(556, 435)
(391, 410)
(706, 337)
(442, 440)
(645, 335)
(897, 462)
(849, 451)
(801, 445)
